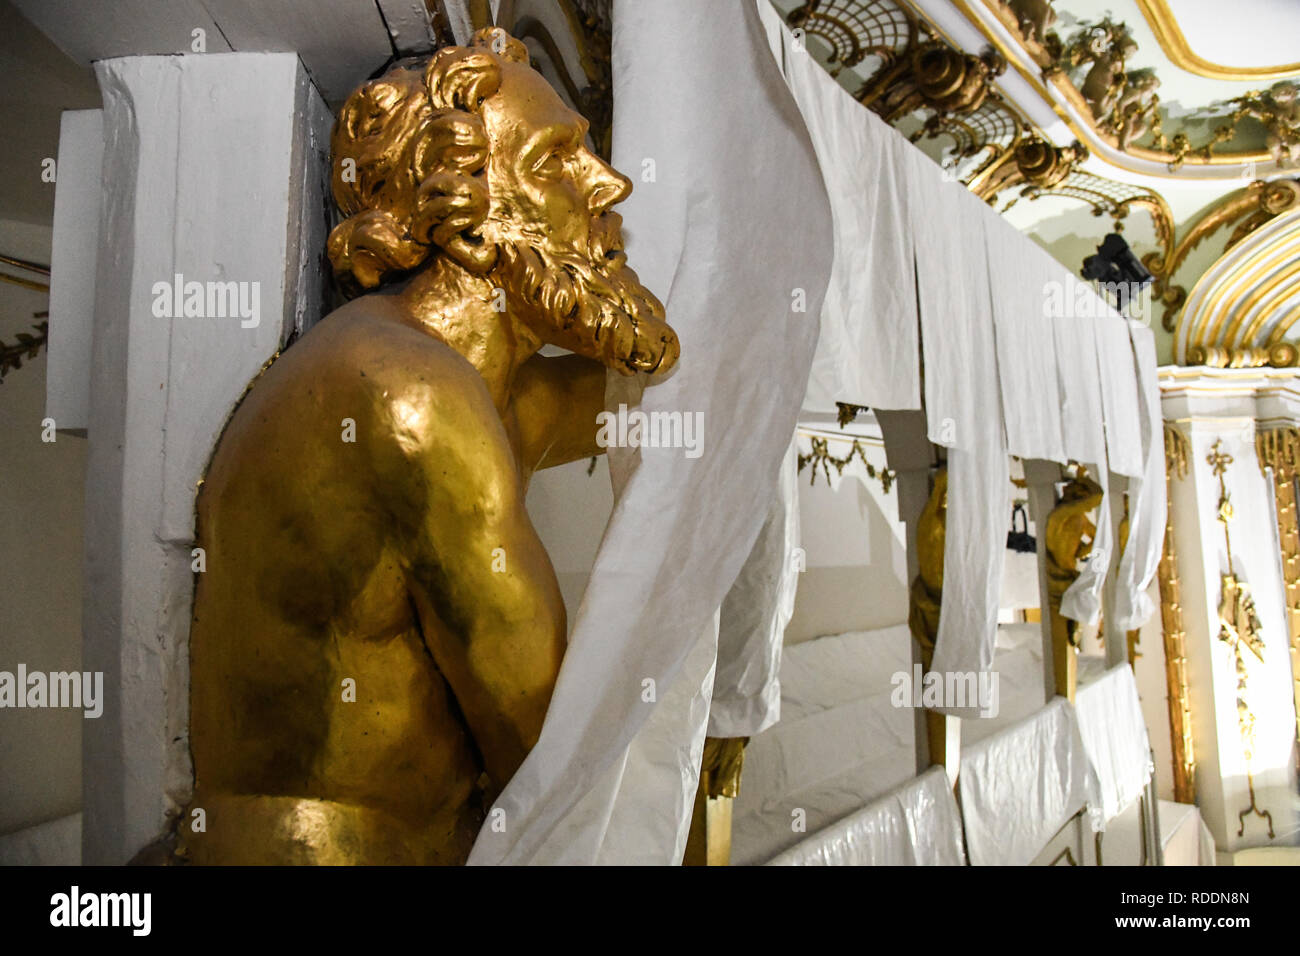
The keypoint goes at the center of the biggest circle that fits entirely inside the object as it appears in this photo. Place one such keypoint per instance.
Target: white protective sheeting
(1019, 275)
(1119, 395)
(613, 775)
(840, 743)
(915, 825)
(960, 350)
(1122, 432)
(868, 353)
(1083, 427)
(1146, 495)
(1020, 581)
(1187, 840)
(1020, 786)
(1020, 690)
(746, 685)
(1082, 414)
(1114, 736)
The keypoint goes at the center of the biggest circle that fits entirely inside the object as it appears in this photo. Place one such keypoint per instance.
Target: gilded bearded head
(470, 155)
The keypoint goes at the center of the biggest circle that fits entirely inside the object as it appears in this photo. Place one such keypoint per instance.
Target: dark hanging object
(1019, 539)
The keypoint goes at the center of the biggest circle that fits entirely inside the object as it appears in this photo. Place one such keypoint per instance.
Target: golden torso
(328, 623)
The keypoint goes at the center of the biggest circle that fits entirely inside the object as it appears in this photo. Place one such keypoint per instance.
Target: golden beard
(589, 302)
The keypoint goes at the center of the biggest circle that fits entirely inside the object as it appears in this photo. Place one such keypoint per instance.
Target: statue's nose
(607, 186)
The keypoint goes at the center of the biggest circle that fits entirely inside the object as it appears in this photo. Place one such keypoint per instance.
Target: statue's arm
(489, 606)
(556, 400)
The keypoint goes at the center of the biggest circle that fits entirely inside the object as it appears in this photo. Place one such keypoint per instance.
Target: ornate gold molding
(1173, 632)
(1170, 37)
(1248, 208)
(821, 459)
(1243, 301)
(1278, 451)
(1239, 627)
(1132, 94)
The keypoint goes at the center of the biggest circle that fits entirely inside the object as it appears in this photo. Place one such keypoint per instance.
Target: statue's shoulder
(364, 340)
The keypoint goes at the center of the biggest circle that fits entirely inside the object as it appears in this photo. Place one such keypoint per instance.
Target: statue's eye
(551, 165)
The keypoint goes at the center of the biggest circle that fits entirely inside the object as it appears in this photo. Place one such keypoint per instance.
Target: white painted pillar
(214, 169)
(912, 457)
(1041, 478)
(1225, 405)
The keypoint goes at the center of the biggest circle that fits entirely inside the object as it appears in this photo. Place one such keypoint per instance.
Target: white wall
(41, 504)
(856, 569)
(856, 577)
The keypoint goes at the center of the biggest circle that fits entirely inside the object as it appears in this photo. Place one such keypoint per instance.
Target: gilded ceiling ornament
(378, 628)
(1034, 19)
(1035, 164)
(934, 78)
(855, 30)
(1161, 19)
(1278, 110)
(1232, 343)
(1102, 47)
(1136, 108)
(1248, 208)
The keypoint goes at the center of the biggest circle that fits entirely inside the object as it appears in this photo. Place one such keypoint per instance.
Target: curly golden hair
(409, 150)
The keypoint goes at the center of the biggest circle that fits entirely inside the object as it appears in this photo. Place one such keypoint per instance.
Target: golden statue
(1068, 540)
(378, 629)
(927, 588)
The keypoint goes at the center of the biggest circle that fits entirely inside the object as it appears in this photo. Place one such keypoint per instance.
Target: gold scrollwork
(1278, 451)
(1248, 208)
(1174, 634)
(1239, 627)
(820, 458)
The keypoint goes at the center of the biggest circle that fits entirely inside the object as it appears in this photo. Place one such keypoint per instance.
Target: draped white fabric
(1020, 786)
(964, 409)
(868, 352)
(1119, 394)
(746, 685)
(1084, 430)
(1019, 274)
(915, 825)
(1005, 374)
(1115, 738)
(1146, 505)
(734, 220)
